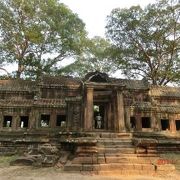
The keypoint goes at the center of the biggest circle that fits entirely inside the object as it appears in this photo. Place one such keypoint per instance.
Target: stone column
(109, 117)
(127, 118)
(120, 112)
(53, 119)
(1, 120)
(89, 110)
(158, 121)
(155, 124)
(138, 122)
(114, 112)
(34, 119)
(153, 121)
(172, 124)
(15, 121)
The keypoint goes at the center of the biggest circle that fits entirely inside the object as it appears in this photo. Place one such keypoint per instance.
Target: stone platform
(95, 152)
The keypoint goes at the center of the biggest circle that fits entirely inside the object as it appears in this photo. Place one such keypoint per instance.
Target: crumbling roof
(17, 85)
(97, 77)
(165, 108)
(168, 109)
(59, 81)
(16, 103)
(131, 84)
(165, 91)
(142, 106)
(50, 102)
(31, 103)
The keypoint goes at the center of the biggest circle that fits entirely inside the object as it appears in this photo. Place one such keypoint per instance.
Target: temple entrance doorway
(99, 116)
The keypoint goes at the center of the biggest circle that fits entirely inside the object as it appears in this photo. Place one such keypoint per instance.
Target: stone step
(111, 140)
(116, 150)
(112, 145)
(145, 150)
(109, 167)
(138, 160)
(127, 172)
(147, 155)
(113, 158)
(110, 135)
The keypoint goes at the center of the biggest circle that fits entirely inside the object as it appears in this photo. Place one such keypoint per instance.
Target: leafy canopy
(146, 42)
(94, 58)
(38, 34)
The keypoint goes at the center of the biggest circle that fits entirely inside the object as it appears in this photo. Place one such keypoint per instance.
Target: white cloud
(94, 12)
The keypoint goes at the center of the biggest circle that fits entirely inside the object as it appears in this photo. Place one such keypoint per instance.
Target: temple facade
(96, 103)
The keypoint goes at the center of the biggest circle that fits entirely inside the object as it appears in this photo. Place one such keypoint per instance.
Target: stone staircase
(96, 152)
(112, 154)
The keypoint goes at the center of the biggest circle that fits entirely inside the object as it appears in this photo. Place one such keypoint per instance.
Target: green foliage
(5, 160)
(145, 42)
(38, 34)
(94, 58)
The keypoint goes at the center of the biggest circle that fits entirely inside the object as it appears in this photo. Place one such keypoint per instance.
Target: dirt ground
(31, 173)
(8, 172)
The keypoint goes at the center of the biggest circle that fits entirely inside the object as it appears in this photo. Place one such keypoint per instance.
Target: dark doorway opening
(45, 119)
(177, 125)
(165, 124)
(132, 122)
(24, 121)
(7, 121)
(99, 116)
(61, 120)
(146, 122)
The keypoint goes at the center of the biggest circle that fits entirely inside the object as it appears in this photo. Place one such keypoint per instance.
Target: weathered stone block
(80, 160)
(23, 161)
(73, 167)
(101, 160)
(166, 167)
(87, 167)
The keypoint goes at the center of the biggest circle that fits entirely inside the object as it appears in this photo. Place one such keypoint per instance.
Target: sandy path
(30, 173)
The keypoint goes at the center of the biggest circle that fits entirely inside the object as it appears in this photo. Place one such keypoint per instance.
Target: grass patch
(5, 160)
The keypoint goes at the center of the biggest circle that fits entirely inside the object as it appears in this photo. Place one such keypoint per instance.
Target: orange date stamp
(166, 161)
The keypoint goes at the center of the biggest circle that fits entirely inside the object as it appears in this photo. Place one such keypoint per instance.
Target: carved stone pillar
(34, 119)
(53, 119)
(120, 112)
(109, 117)
(89, 110)
(15, 122)
(127, 118)
(1, 120)
(154, 121)
(138, 122)
(172, 124)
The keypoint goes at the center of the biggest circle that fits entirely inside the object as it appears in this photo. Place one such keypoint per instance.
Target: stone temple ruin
(98, 123)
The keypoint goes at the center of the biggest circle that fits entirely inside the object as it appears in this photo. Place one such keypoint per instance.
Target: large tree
(38, 34)
(146, 42)
(94, 58)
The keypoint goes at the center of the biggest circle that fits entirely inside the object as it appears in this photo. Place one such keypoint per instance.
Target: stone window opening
(24, 120)
(99, 116)
(61, 120)
(146, 122)
(45, 119)
(177, 125)
(7, 121)
(132, 122)
(165, 124)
